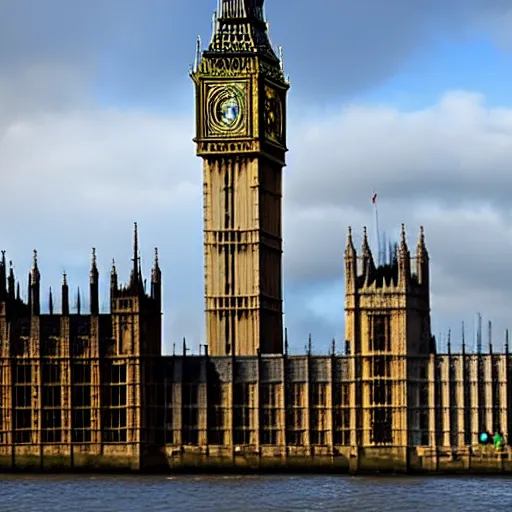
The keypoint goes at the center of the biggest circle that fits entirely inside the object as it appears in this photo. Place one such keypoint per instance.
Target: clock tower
(241, 137)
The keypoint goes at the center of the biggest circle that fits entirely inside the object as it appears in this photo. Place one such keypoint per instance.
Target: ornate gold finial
(35, 258)
(64, 278)
(93, 257)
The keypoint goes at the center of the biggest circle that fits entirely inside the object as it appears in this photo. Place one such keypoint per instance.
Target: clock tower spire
(241, 137)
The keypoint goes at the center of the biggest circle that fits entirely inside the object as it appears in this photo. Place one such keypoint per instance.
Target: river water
(253, 494)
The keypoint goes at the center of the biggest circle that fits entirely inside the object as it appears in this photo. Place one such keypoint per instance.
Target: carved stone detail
(250, 146)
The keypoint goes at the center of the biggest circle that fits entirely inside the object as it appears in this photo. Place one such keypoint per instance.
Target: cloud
(78, 179)
(340, 48)
(445, 167)
(124, 52)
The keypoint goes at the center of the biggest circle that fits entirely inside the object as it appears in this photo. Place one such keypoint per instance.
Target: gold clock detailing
(226, 111)
(273, 115)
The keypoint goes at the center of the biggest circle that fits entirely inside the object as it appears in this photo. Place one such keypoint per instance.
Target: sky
(408, 99)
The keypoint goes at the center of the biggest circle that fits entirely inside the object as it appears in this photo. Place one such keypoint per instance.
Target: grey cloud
(139, 53)
(344, 47)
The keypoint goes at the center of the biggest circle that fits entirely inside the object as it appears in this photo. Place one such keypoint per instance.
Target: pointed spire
(113, 274)
(365, 245)
(197, 59)
(18, 292)
(134, 277)
(156, 274)
(94, 267)
(65, 295)
(93, 285)
(34, 290)
(35, 269)
(11, 282)
(50, 301)
(350, 249)
(404, 272)
(141, 279)
(403, 240)
(156, 279)
(3, 277)
(421, 241)
(78, 302)
(368, 265)
(29, 291)
(350, 264)
(422, 260)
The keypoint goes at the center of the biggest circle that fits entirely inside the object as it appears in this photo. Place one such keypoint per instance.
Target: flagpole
(376, 211)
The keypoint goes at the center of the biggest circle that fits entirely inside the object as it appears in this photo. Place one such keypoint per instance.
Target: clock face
(226, 110)
(273, 115)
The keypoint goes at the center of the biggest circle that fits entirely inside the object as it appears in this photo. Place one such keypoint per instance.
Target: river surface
(253, 494)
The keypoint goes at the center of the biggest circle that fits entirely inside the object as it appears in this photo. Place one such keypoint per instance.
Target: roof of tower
(240, 27)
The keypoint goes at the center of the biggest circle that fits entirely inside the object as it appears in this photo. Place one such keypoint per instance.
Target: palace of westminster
(94, 390)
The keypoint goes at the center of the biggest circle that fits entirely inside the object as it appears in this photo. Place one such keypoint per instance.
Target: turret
(65, 295)
(156, 280)
(93, 285)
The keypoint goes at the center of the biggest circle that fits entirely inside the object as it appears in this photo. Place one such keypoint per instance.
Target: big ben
(241, 137)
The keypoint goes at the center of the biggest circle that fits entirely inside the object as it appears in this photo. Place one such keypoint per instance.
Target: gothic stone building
(94, 390)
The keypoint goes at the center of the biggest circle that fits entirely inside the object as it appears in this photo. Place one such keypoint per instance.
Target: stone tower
(241, 136)
(387, 328)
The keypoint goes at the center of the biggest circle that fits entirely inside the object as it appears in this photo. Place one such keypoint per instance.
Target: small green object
(498, 441)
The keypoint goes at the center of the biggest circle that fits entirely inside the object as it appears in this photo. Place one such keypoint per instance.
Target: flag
(374, 198)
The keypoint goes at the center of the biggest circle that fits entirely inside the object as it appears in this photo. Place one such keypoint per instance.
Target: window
(270, 413)
(22, 397)
(243, 412)
(380, 337)
(114, 403)
(51, 420)
(190, 414)
(81, 402)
